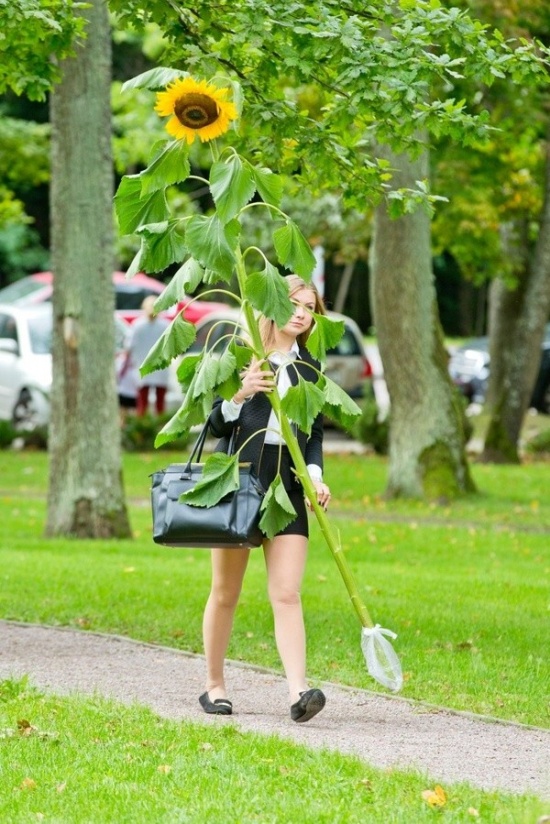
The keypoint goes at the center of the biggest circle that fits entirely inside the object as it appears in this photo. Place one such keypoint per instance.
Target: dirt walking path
(385, 731)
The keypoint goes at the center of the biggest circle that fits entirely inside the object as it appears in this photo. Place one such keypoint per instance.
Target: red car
(129, 295)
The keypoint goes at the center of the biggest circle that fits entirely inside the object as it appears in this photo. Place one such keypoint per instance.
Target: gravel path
(385, 731)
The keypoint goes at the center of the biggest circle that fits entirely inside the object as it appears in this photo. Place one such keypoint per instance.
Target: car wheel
(25, 413)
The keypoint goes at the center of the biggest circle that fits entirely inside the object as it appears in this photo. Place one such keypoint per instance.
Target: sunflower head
(196, 108)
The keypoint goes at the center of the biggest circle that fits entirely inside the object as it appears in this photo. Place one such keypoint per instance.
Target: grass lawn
(465, 587)
(76, 761)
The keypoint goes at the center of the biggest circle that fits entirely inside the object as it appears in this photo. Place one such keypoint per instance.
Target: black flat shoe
(308, 705)
(221, 706)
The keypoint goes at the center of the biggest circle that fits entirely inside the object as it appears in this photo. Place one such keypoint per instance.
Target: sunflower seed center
(196, 110)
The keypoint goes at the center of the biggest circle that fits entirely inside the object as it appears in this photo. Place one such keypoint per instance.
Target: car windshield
(40, 334)
(18, 291)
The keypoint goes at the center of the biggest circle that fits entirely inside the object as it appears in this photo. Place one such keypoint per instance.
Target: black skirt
(267, 471)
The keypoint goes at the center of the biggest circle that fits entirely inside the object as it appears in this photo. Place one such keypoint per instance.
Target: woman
(285, 555)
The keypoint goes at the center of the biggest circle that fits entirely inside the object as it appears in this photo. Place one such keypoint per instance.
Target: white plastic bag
(382, 661)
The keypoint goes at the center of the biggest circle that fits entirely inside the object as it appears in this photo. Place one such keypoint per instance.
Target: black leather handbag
(232, 522)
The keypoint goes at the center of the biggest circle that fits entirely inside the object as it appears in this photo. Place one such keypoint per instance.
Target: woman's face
(304, 303)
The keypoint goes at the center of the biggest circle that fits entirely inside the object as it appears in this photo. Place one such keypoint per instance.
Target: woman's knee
(224, 596)
(281, 596)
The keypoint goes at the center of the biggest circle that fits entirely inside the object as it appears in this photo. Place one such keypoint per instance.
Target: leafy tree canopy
(325, 81)
(34, 35)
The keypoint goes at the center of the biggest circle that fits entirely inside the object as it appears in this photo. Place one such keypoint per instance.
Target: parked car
(129, 295)
(347, 364)
(469, 367)
(26, 362)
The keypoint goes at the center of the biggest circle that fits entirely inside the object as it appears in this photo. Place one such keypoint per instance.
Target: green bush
(139, 433)
(372, 431)
(539, 444)
(7, 434)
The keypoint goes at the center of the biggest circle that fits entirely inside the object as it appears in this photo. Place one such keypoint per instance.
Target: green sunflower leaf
(302, 403)
(243, 354)
(213, 370)
(269, 185)
(229, 387)
(192, 412)
(338, 406)
(135, 265)
(170, 165)
(324, 336)
(213, 244)
(277, 509)
(187, 369)
(175, 340)
(232, 186)
(133, 210)
(267, 291)
(220, 477)
(293, 250)
(157, 78)
(185, 281)
(162, 244)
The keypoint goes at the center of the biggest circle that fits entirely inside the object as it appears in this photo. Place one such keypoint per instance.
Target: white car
(26, 363)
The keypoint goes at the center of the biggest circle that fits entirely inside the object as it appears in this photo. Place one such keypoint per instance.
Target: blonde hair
(267, 326)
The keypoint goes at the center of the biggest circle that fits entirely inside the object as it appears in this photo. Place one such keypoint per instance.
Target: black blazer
(255, 416)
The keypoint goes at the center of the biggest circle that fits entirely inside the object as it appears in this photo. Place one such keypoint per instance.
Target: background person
(145, 332)
(285, 554)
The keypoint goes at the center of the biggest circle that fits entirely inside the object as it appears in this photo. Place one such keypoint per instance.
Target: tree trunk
(85, 496)
(426, 446)
(343, 286)
(516, 331)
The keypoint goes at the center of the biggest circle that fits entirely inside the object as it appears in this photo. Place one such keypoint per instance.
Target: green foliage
(539, 444)
(209, 246)
(325, 82)
(213, 243)
(372, 431)
(302, 403)
(277, 509)
(292, 249)
(34, 31)
(175, 340)
(325, 335)
(20, 249)
(30, 439)
(139, 433)
(185, 281)
(7, 434)
(220, 477)
(133, 209)
(170, 165)
(232, 185)
(24, 152)
(338, 405)
(267, 292)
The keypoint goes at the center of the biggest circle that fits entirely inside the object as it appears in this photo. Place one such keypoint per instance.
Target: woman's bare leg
(285, 559)
(228, 568)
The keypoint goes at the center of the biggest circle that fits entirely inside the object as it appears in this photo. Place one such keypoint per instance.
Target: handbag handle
(199, 444)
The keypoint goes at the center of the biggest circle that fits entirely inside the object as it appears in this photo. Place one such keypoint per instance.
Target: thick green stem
(290, 439)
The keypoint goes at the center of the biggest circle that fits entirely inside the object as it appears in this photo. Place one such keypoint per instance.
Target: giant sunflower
(196, 108)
